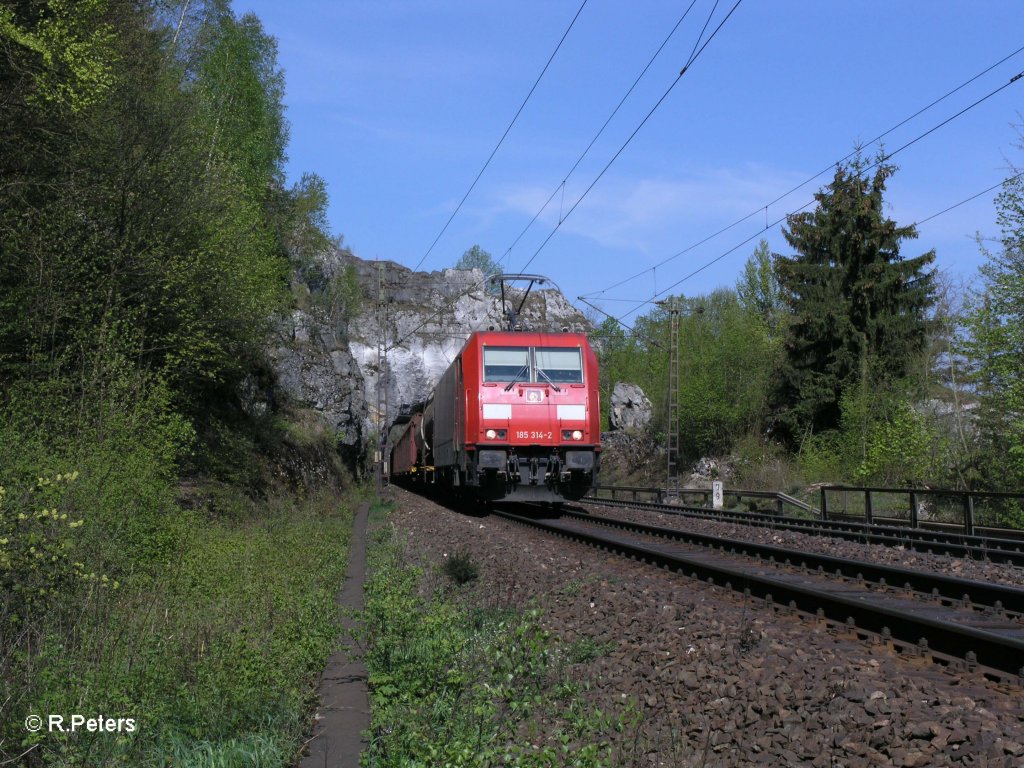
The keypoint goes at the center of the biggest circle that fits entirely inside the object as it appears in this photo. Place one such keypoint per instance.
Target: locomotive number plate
(526, 435)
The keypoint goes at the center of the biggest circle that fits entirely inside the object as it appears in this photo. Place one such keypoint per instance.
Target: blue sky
(398, 104)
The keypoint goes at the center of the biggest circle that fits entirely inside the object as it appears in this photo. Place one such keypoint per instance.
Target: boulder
(631, 409)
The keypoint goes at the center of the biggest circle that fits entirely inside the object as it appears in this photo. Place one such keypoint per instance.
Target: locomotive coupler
(513, 467)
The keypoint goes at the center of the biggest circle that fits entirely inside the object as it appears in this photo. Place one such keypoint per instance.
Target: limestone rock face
(631, 409)
(315, 368)
(326, 354)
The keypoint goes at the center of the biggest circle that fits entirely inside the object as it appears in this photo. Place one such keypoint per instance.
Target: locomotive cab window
(561, 365)
(506, 364)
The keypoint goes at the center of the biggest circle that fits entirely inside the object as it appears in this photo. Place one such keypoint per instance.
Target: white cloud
(648, 213)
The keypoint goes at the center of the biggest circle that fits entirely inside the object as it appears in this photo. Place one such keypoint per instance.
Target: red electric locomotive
(515, 417)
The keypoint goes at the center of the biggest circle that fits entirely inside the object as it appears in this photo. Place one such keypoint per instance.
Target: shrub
(461, 568)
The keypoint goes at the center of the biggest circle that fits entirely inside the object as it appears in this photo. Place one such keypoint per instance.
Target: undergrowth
(463, 682)
(207, 629)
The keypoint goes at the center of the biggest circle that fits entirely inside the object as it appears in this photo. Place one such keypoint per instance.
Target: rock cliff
(326, 353)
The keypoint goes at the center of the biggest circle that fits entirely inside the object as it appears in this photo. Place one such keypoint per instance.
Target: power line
(778, 221)
(969, 199)
(508, 252)
(683, 71)
(441, 310)
(502, 139)
(821, 172)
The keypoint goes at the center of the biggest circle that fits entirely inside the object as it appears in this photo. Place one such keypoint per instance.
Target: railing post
(824, 504)
(969, 514)
(779, 506)
(868, 516)
(913, 509)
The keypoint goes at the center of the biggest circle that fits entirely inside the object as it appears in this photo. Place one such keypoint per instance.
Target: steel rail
(933, 628)
(951, 588)
(996, 550)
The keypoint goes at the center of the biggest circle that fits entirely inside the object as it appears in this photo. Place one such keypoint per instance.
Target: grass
(214, 653)
(456, 680)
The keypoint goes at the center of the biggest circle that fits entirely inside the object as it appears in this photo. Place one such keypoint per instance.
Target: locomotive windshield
(555, 365)
(506, 363)
(560, 365)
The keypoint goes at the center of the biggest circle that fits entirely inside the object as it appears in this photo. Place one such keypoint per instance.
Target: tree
(477, 258)
(126, 245)
(856, 309)
(240, 89)
(758, 287)
(68, 57)
(995, 324)
(725, 364)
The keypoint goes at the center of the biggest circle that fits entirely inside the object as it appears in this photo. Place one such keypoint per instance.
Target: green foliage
(882, 440)
(477, 258)
(757, 288)
(239, 88)
(37, 542)
(300, 215)
(726, 359)
(216, 656)
(995, 345)
(124, 241)
(856, 306)
(904, 449)
(67, 51)
(622, 357)
(762, 464)
(336, 301)
(461, 568)
(726, 356)
(144, 242)
(457, 687)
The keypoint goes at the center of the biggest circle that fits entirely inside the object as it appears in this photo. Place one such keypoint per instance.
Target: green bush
(38, 534)
(207, 627)
(217, 657)
(461, 568)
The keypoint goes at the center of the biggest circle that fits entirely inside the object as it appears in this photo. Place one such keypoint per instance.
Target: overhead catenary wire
(502, 139)
(969, 199)
(946, 210)
(817, 175)
(507, 256)
(779, 220)
(478, 285)
(693, 57)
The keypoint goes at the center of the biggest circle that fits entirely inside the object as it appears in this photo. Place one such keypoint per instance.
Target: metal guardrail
(921, 507)
(658, 496)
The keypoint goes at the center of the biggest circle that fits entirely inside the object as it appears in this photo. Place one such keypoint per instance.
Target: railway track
(993, 549)
(952, 621)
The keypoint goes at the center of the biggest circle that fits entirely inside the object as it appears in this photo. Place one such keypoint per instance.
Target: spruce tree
(857, 308)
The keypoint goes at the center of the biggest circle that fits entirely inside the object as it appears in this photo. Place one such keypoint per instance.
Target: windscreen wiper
(515, 378)
(540, 372)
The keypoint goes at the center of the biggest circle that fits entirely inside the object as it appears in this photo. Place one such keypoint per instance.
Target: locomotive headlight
(577, 435)
(572, 435)
(491, 434)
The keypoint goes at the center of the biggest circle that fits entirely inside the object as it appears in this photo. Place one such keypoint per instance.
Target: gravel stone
(725, 681)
